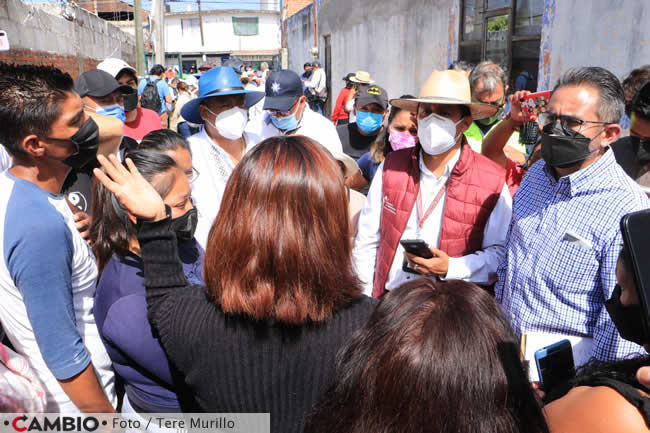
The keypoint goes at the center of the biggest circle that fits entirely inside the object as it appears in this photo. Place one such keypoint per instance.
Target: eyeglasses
(278, 113)
(193, 175)
(567, 122)
(498, 105)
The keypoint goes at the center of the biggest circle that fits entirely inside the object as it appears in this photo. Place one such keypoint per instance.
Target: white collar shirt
(312, 125)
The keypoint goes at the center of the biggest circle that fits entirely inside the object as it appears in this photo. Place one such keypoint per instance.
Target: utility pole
(159, 28)
(139, 40)
(201, 23)
(284, 53)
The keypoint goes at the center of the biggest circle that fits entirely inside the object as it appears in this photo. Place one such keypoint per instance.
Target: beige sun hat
(362, 77)
(351, 166)
(447, 87)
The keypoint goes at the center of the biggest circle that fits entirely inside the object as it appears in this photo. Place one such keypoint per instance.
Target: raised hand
(131, 189)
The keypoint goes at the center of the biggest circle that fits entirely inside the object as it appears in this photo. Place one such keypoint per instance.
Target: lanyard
(432, 206)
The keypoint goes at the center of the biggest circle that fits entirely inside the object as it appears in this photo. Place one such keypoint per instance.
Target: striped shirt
(561, 251)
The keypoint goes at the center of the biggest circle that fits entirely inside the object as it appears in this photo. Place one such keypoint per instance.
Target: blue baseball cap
(282, 89)
(220, 81)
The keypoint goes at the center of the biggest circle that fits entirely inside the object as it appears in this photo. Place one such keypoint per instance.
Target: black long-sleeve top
(231, 363)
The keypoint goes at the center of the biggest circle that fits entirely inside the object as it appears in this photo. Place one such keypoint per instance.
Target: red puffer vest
(473, 190)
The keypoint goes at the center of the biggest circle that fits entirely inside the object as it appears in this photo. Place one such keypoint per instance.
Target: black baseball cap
(347, 77)
(282, 89)
(641, 102)
(98, 83)
(372, 95)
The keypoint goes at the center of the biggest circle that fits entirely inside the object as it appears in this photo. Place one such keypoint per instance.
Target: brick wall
(70, 64)
(294, 6)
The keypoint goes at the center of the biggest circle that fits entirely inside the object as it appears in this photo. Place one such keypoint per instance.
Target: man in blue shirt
(564, 238)
(156, 75)
(47, 271)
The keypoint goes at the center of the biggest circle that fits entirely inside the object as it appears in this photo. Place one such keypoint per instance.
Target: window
(190, 26)
(245, 26)
(507, 32)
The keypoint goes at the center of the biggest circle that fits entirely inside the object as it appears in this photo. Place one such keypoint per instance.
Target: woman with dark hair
(281, 295)
(402, 132)
(176, 121)
(173, 145)
(120, 307)
(435, 356)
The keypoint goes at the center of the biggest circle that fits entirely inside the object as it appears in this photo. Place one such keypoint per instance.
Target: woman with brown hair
(437, 357)
(281, 293)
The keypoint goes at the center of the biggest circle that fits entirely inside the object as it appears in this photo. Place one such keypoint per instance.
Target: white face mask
(230, 124)
(437, 134)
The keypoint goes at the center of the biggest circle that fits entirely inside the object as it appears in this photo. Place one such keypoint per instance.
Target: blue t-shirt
(121, 315)
(368, 166)
(163, 90)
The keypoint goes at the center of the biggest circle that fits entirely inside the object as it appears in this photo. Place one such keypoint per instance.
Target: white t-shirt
(312, 125)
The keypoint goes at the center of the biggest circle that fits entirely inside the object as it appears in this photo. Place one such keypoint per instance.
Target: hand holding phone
(555, 364)
(535, 103)
(417, 247)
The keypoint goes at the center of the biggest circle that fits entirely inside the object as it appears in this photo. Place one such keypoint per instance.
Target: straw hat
(447, 87)
(362, 77)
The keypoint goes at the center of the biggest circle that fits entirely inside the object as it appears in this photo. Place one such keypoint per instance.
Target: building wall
(608, 33)
(398, 41)
(219, 36)
(294, 6)
(39, 37)
(300, 38)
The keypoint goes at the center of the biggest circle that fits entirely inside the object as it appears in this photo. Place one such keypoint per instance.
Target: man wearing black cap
(633, 153)
(371, 109)
(286, 113)
(101, 95)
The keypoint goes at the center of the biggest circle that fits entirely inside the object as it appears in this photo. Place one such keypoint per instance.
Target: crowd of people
(219, 245)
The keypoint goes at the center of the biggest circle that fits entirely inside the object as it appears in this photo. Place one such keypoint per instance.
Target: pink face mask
(401, 140)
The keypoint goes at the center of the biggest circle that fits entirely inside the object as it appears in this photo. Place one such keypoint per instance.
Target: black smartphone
(635, 227)
(555, 364)
(417, 247)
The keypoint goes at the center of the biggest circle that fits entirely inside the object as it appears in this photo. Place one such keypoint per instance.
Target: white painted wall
(218, 34)
(398, 41)
(612, 34)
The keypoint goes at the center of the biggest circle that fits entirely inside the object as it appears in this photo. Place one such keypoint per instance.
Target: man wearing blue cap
(222, 109)
(287, 113)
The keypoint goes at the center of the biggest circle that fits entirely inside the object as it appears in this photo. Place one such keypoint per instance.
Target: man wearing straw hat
(441, 192)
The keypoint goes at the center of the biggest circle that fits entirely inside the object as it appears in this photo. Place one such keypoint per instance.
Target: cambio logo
(62, 423)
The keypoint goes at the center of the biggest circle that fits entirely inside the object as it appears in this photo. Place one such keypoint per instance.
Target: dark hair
(306, 64)
(316, 64)
(31, 102)
(181, 86)
(111, 230)
(284, 223)
(435, 356)
(157, 70)
(381, 146)
(461, 65)
(163, 140)
(633, 82)
(611, 101)
(640, 104)
(127, 71)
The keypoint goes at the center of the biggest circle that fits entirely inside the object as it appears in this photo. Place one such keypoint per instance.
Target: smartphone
(535, 103)
(417, 247)
(555, 364)
(635, 228)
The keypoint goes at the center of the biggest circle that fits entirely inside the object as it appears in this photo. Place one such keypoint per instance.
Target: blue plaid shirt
(554, 281)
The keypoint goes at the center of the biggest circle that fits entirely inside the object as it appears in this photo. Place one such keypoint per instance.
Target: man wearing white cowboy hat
(441, 192)
(222, 108)
(360, 78)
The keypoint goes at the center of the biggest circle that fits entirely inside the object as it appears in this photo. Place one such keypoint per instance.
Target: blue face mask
(288, 123)
(114, 110)
(369, 123)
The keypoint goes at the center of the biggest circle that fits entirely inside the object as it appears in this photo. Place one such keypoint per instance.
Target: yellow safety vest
(475, 136)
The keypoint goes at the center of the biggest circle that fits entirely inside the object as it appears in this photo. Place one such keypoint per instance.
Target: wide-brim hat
(362, 77)
(220, 81)
(447, 87)
(351, 166)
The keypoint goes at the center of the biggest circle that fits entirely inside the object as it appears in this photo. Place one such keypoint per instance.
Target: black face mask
(642, 149)
(184, 226)
(628, 319)
(130, 101)
(562, 148)
(86, 140)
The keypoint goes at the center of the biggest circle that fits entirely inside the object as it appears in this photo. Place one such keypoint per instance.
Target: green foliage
(498, 23)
